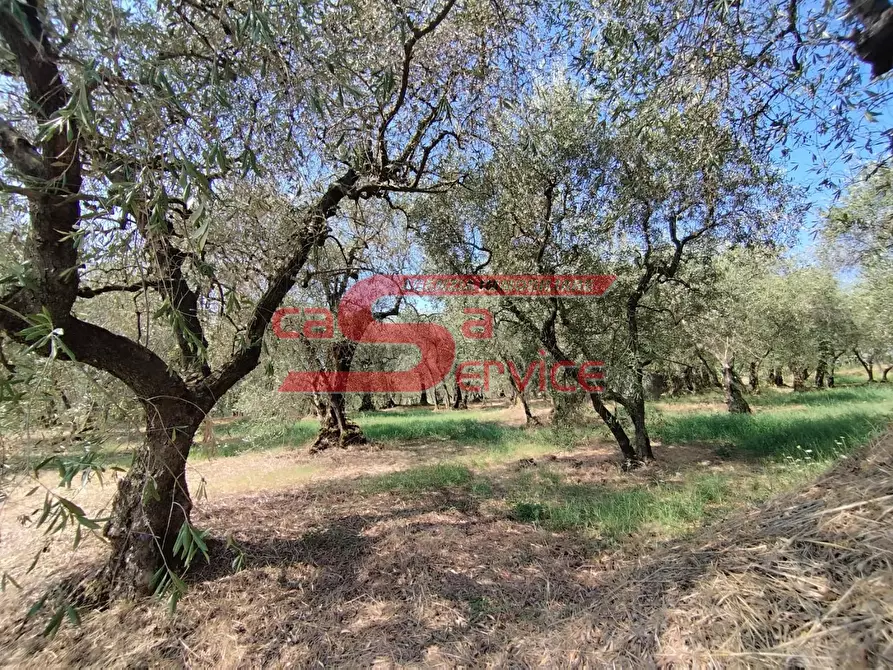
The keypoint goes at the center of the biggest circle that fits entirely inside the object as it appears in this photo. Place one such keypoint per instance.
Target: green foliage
(858, 231)
(190, 542)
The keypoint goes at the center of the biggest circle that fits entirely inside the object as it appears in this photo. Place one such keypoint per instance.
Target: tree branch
(312, 232)
(23, 155)
(90, 292)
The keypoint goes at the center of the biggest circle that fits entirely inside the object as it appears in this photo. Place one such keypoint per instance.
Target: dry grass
(348, 564)
(338, 578)
(805, 582)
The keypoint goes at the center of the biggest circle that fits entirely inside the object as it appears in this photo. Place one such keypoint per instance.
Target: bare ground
(336, 577)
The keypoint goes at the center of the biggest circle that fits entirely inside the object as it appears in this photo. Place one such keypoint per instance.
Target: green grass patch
(819, 424)
(668, 509)
(404, 428)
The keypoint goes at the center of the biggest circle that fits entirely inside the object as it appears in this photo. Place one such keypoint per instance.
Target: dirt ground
(338, 578)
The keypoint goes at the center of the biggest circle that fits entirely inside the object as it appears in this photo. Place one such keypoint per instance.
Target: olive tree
(122, 128)
(647, 201)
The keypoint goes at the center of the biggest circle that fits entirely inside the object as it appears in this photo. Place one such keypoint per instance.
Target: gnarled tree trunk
(753, 377)
(821, 369)
(335, 429)
(733, 389)
(153, 500)
(799, 378)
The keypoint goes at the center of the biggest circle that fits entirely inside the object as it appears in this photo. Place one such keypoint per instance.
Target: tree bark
(874, 42)
(529, 418)
(447, 403)
(459, 401)
(677, 385)
(868, 365)
(821, 370)
(641, 439)
(423, 401)
(689, 379)
(636, 408)
(799, 378)
(886, 372)
(153, 500)
(620, 436)
(733, 389)
(753, 377)
(335, 428)
(366, 403)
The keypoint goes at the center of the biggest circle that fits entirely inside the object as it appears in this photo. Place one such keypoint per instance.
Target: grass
(385, 427)
(530, 525)
(788, 441)
(400, 429)
(416, 480)
(661, 509)
(827, 422)
(824, 424)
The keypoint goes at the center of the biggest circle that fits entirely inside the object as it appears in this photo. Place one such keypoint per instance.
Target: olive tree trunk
(153, 500)
(620, 436)
(733, 389)
(799, 381)
(868, 364)
(366, 404)
(821, 371)
(336, 430)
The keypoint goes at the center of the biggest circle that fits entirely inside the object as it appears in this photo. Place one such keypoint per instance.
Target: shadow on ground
(439, 579)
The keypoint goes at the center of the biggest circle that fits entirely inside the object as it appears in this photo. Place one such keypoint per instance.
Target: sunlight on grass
(789, 440)
(664, 510)
(477, 429)
(825, 424)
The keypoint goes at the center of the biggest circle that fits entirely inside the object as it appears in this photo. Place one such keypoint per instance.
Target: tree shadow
(436, 579)
(401, 580)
